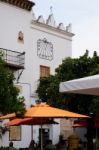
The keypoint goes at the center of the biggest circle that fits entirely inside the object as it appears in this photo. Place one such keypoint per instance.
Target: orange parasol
(30, 121)
(8, 116)
(79, 125)
(44, 111)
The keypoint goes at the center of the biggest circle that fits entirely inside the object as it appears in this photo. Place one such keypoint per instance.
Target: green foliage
(9, 94)
(97, 144)
(71, 68)
(4, 148)
(94, 106)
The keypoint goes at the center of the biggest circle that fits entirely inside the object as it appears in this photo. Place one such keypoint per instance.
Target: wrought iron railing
(16, 59)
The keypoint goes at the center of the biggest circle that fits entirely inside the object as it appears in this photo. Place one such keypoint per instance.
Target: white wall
(55, 132)
(13, 20)
(61, 49)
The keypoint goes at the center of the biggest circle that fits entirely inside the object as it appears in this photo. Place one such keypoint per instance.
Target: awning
(88, 85)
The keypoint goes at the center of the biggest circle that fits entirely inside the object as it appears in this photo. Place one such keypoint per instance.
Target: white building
(33, 47)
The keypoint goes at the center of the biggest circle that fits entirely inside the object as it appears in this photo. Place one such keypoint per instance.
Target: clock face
(44, 49)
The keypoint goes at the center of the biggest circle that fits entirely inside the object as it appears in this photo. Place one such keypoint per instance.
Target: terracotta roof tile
(24, 4)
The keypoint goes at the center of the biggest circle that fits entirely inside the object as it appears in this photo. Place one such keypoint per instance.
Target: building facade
(32, 47)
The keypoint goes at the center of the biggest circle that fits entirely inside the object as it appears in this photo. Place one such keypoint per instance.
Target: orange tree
(71, 68)
(9, 94)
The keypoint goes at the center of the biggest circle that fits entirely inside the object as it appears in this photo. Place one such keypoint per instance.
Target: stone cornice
(52, 29)
(24, 4)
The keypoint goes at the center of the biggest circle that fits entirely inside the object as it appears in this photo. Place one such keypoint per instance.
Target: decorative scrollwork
(44, 49)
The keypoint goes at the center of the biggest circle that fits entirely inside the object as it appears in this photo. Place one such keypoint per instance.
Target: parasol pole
(41, 138)
(31, 132)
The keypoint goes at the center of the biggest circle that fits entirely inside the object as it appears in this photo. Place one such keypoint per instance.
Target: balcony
(14, 60)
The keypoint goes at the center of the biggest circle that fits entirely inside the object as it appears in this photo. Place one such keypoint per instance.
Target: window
(15, 133)
(44, 71)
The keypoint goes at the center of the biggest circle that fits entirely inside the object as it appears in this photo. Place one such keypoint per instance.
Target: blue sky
(84, 16)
